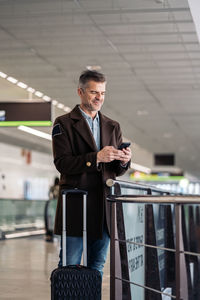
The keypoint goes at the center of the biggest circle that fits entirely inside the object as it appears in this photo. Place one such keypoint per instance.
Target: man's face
(92, 96)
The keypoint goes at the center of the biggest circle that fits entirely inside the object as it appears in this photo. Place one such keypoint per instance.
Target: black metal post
(177, 254)
(149, 192)
(112, 251)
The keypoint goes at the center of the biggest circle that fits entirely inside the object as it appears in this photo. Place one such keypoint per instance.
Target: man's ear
(80, 91)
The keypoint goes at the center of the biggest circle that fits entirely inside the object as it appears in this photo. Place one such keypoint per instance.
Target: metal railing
(178, 230)
(120, 187)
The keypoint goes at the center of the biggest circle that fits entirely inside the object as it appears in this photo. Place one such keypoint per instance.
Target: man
(85, 148)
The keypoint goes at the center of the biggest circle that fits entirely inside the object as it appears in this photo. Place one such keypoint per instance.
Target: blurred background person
(50, 208)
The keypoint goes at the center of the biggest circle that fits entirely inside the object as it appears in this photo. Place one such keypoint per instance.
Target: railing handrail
(165, 199)
(134, 185)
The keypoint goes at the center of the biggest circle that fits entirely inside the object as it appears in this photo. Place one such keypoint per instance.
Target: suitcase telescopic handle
(64, 231)
(75, 191)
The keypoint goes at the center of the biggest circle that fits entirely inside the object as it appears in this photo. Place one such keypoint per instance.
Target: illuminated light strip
(12, 79)
(140, 168)
(54, 102)
(22, 85)
(67, 109)
(30, 89)
(96, 68)
(3, 75)
(25, 123)
(46, 98)
(23, 234)
(38, 94)
(60, 105)
(35, 132)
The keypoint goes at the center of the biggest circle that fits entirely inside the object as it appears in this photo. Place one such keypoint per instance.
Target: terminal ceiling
(148, 49)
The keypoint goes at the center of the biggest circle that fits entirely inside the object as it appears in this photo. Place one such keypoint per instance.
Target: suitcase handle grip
(75, 191)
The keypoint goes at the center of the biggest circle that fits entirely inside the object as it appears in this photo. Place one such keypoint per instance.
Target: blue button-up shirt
(94, 125)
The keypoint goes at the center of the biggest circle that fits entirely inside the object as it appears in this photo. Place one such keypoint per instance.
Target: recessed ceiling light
(12, 79)
(38, 94)
(67, 109)
(93, 68)
(46, 98)
(54, 102)
(60, 105)
(22, 85)
(31, 90)
(3, 75)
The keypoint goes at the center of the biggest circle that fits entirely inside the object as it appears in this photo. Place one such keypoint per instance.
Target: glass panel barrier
(155, 247)
(18, 215)
(139, 225)
(191, 241)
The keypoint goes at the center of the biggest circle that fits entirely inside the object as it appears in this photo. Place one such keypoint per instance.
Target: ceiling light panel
(3, 75)
(60, 105)
(54, 102)
(38, 94)
(31, 90)
(22, 85)
(12, 79)
(46, 98)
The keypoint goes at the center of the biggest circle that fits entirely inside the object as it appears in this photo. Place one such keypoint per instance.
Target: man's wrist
(98, 160)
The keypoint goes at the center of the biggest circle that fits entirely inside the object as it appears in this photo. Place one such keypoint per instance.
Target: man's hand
(108, 154)
(126, 156)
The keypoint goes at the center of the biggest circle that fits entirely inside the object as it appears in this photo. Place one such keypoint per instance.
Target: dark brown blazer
(75, 155)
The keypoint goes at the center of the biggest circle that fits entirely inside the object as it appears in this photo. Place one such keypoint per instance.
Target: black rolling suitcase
(75, 282)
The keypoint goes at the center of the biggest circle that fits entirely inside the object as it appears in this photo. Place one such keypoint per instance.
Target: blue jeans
(96, 251)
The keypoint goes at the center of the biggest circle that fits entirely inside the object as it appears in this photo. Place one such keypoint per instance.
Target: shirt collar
(88, 117)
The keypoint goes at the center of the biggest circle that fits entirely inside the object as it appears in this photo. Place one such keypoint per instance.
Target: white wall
(15, 173)
(140, 155)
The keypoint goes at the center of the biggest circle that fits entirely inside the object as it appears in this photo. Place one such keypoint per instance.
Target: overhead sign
(164, 159)
(25, 113)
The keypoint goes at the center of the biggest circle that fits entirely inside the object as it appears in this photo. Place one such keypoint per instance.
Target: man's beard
(90, 107)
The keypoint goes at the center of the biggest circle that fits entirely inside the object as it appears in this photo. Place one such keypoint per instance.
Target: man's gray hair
(89, 75)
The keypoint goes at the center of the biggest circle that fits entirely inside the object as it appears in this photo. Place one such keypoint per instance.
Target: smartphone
(124, 145)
